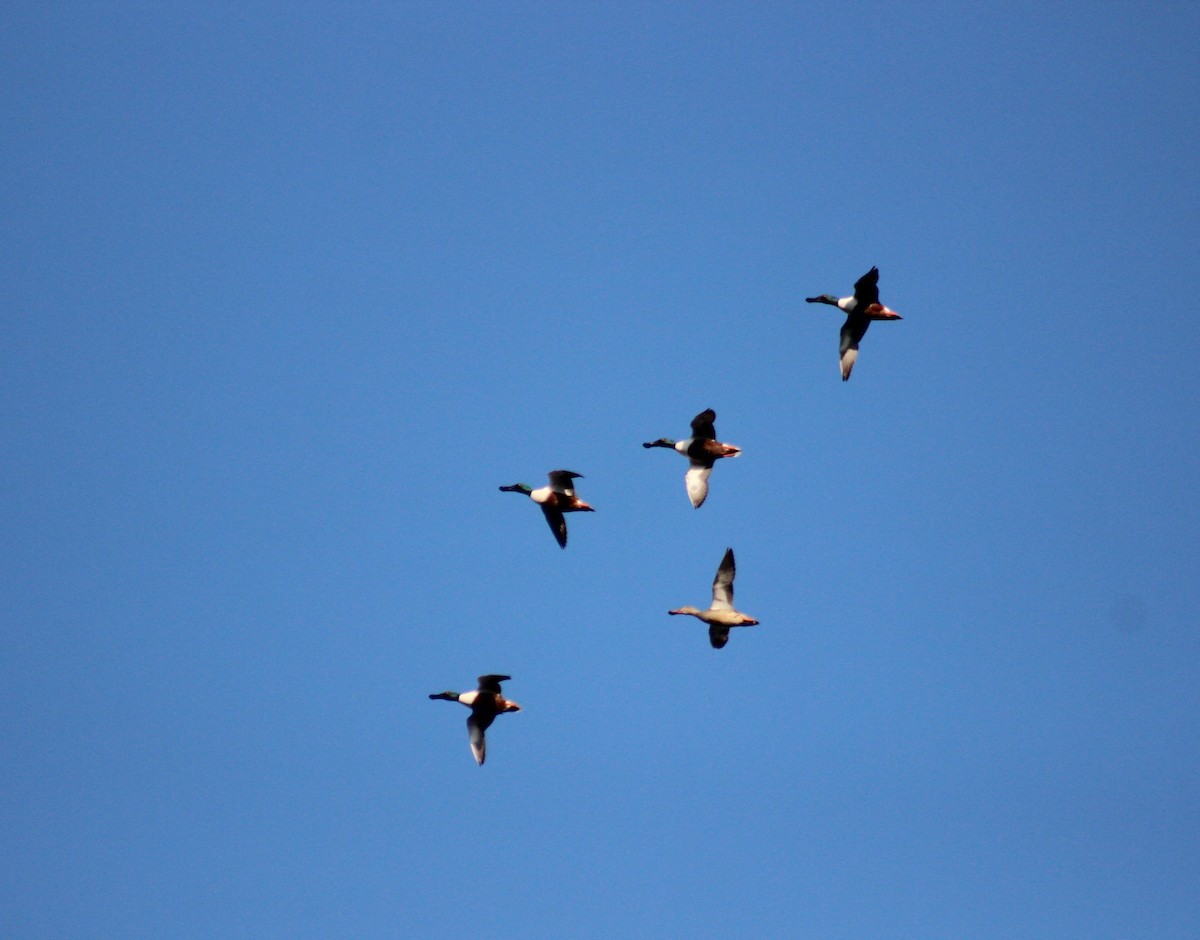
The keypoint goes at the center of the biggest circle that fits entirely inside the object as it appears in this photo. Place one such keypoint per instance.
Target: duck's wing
(853, 331)
(477, 724)
(866, 289)
(491, 683)
(849, 357)
(557, 522)
(723, 583)
(718, 635)
(703, 424)
(696, 479)
(560, 481)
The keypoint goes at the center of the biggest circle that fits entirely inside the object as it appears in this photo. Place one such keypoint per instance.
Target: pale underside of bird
(721, 615)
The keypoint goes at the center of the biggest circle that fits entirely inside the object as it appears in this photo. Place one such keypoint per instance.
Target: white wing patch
(848, 359)
(478, 741)
(697, 484)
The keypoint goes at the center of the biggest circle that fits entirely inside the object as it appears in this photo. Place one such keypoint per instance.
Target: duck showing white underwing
(557, 498)
(485, 702)
(702, 450)
(860, 308)
(721, 614)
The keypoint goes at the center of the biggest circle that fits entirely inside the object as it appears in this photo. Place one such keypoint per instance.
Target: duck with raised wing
(555, 499)
(720, 616)
(860, 308)
(703, 450)
(485, 703)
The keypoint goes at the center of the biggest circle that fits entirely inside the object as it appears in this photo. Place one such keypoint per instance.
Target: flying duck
(485, 703)
(721, 615)
(703, 450)
(555, 499)
(860, 309)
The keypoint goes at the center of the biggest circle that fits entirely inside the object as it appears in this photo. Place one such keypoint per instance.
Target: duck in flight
(555, 499)
(721, 615)
(860, 308)
(485, 703)
(703, 450)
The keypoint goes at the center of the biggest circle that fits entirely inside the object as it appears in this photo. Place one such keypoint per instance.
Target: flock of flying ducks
(702, 450)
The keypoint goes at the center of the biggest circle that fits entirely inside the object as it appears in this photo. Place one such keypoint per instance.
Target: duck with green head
(485, 703)
(860, 308)
(557, 498)
(703, 450)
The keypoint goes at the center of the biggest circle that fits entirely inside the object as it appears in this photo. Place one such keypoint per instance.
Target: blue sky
(291, 289)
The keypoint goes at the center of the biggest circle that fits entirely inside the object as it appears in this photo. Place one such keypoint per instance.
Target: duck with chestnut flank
(485, 703)
(860, 308)
(703, 450)
(557, 498)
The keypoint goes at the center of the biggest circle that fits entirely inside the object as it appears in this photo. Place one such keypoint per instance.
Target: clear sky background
(290, 289)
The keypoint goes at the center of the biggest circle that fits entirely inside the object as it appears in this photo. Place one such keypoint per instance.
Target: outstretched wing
(557, 522)
(723, 583)
(853, 331)
(697, 483)
(849, 357)
(866, 289)
(718, 635)
(477, 724)
(560, 481)
(703, 424)
(491, 683)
